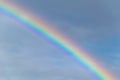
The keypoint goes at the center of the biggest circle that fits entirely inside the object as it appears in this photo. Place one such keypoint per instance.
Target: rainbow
(56, 38)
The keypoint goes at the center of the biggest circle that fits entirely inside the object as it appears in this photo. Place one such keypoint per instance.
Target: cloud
(24, 56)
(94, 25)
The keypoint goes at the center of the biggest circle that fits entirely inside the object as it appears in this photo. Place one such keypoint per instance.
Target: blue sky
(92, 24)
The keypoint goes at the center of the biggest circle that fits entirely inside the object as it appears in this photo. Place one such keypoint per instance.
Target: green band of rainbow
(57, 38)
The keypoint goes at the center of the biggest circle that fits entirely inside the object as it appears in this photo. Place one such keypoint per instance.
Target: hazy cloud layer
(93, 24)
(24, 56)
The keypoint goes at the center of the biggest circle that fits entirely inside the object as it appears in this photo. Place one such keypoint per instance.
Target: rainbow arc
(40, 28)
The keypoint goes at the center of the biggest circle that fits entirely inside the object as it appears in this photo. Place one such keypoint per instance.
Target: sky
(92, 24)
